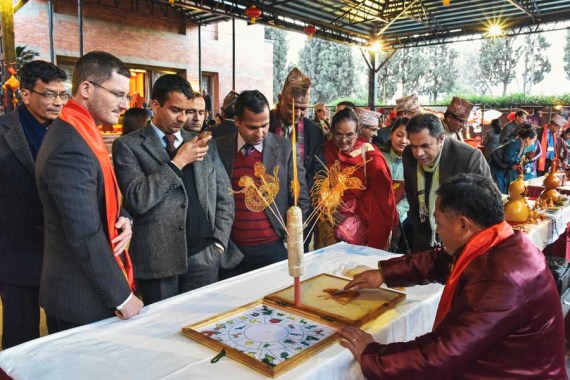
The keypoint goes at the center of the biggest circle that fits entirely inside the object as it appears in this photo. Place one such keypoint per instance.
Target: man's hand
(356, 340)
(130, 309)
(120, 242)
(371, 279)
(191, 151)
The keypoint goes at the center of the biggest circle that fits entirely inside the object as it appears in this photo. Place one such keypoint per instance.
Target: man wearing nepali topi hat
(368, 123)
(297, 91)
(455, 118)
(408, 106)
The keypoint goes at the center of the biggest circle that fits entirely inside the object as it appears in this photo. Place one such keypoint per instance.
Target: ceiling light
(495, 30)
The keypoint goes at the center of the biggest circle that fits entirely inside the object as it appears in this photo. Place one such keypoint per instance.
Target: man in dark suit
(259, 234)
(22, 131)
(176, 189)
(310, 137)
(86, 274)
(429, 160)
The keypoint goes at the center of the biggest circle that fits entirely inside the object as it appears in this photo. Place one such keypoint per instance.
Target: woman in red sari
(367, 214)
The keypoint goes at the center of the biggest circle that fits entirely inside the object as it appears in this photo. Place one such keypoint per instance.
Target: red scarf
(478, 245)
(76, 115)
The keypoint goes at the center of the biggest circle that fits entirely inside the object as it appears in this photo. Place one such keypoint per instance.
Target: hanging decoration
(253, 13)
(11, 87)
(310, 30)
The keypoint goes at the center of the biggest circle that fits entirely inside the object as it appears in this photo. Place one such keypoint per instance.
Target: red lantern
(310, 30)
(253, 13)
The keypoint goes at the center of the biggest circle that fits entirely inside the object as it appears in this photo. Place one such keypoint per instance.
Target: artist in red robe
(373, 203)
(500, 314)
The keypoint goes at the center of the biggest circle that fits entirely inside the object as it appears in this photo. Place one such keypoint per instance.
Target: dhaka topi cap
(297, 84)
(408, 103)
(368, 118)
(460, 107)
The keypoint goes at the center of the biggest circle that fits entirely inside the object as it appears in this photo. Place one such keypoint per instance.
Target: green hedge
(508, 101)
(515, 100)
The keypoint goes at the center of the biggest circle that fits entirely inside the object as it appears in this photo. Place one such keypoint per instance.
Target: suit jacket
(313, 138)
(81, 281)
(456, 157)
(155, 196)
(276, 152)
(21, 217)
(505, 320)
(227, 127)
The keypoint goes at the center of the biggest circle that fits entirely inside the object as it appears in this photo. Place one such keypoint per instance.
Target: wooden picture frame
(318, 311)
(270, 370)
(368, 305)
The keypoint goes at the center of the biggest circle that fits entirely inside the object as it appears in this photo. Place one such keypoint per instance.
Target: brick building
(151, 39)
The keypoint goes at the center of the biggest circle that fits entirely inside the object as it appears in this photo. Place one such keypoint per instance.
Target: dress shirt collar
(241, 142)
(178, 136)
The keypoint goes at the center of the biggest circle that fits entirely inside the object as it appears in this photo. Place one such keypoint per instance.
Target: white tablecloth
(549, 230)
(151, 346)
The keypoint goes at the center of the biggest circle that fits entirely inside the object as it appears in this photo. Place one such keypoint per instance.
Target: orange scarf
(76, 115)
(478, 245)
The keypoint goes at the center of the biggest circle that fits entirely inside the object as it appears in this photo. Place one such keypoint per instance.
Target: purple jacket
(505, 321)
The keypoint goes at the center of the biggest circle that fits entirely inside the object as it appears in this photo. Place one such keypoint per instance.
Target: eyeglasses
(118, 96)
(51, 96)
(349, 136)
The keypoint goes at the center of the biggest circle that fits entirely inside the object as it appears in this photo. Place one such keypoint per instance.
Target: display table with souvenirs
(153, 345)
(540, 208)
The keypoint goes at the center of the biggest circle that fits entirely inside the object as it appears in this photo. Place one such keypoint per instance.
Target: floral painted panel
(267, 334)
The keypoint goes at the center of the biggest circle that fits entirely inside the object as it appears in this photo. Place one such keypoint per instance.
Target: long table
(150, 346)
(550, 229)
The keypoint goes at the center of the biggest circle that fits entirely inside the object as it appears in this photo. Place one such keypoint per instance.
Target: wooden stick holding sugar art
(295, 224)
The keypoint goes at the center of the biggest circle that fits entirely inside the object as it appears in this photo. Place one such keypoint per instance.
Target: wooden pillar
(8, 39)
(372, 81)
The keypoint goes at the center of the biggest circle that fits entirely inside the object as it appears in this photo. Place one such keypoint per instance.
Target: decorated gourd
(551, 183)
(516, 208)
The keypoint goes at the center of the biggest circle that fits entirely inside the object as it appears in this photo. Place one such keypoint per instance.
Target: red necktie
(170, 148)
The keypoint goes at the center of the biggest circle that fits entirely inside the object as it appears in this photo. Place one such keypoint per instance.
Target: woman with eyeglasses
(367, 213)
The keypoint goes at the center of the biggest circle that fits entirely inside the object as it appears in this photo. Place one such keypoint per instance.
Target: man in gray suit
(176, 188)
(260, 235)
(43, 95)
(86, 274)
